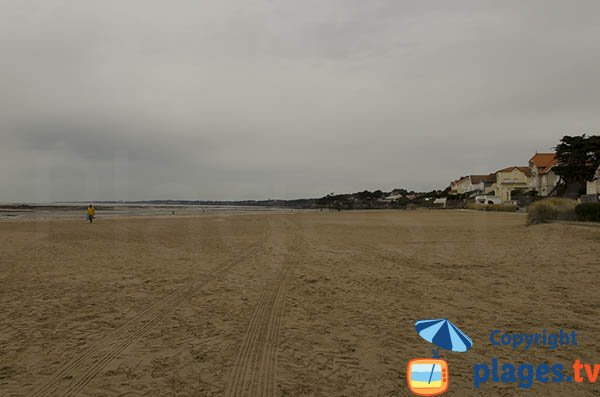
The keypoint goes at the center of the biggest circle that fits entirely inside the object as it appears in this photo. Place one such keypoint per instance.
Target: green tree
(578, 158)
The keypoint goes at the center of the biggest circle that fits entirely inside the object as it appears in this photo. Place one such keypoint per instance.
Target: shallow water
(77, 211)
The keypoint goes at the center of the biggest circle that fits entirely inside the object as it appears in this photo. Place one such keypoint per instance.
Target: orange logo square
(427, 376)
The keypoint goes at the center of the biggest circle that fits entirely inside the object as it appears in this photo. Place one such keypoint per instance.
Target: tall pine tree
(578, 159)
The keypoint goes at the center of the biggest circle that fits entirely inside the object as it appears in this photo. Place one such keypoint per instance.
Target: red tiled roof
(543, 160)
(475, 179)
(549, 167)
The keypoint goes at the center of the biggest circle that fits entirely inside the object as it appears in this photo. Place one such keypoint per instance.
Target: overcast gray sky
(282, 99)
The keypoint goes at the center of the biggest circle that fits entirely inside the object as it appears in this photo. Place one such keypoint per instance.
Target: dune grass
(551, 209)
(492, 207)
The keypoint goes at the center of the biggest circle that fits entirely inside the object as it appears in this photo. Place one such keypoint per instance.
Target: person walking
(91, 213)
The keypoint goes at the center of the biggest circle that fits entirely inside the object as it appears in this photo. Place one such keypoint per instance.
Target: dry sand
(305, 303)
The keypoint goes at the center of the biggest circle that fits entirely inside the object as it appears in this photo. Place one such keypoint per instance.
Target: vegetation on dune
(397, 198)
(492, 207)
(551, 209)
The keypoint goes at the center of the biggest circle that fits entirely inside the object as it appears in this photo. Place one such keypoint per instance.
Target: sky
(225, 100)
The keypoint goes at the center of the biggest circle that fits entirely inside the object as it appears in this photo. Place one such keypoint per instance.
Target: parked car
(488, 200)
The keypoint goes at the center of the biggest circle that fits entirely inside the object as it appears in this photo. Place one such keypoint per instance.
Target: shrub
(502, 207)
(551, 209)
(492, 207)
(588, 212)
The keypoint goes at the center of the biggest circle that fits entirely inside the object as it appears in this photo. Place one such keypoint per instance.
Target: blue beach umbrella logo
(430, 377)
(443, 334)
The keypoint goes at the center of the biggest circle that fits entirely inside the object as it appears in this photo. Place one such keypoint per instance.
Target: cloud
(258, 99)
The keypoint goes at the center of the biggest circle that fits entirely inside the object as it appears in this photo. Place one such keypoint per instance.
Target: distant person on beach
(91, 213)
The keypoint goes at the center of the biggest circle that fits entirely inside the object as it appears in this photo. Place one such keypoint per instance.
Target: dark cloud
(224, 100)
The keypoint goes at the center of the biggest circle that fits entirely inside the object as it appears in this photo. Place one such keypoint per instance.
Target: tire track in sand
(79, 371)
(253, 373)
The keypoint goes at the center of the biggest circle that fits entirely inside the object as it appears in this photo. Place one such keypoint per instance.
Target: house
(483, 183)
(463, 185)
(543, 178)
(454, 186)
(473, 184)
(393, 197)
(593, 186)
(510, 179)
(441, 202)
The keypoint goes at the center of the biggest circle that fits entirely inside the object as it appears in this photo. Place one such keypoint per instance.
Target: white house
(593, 186)
(473, 184)
(543, 179)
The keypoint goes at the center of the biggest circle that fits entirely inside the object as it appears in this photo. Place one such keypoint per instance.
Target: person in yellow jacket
(91, 213)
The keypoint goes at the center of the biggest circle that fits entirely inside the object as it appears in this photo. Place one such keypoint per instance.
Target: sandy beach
(284, 304)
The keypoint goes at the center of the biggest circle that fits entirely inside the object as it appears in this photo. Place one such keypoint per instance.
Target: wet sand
(284, 304)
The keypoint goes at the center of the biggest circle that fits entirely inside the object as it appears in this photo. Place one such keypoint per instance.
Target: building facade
(543, 179)
(475, 184)
(593, 186)
(510, 179)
